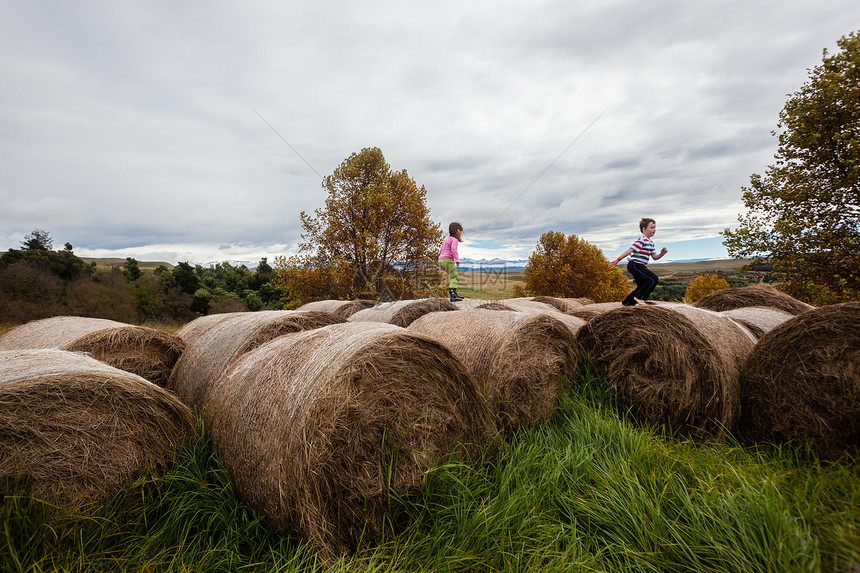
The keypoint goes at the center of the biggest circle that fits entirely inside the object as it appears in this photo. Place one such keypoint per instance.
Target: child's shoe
(454, 296)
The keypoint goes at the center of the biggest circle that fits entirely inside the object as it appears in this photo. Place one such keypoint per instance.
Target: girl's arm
(621, 256)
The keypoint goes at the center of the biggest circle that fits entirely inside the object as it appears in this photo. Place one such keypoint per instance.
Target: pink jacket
(449, 249)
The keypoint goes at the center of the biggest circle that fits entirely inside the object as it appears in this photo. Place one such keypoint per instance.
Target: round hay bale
(315, 427)
(342, 309)
(573, 323)
(402, 312)
(54, 332)
(761, 294)
(147, 352)
(469, 303)
(520, 358)
(587, 312)
(191, 331)
(677, 367)
(519, 305)
(205, 359)
(758, 319)
(803, 382)
(560, 304)
(73, 429)
(495, 305)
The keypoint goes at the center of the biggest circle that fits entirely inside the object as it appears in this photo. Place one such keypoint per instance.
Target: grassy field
(490, 285)
(587, 491)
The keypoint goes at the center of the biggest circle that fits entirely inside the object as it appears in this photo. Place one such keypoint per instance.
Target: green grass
(586, 491)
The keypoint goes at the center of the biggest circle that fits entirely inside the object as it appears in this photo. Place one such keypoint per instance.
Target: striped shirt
(643, 248)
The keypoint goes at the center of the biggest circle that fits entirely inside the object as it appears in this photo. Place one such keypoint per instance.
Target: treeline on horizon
(38, 282)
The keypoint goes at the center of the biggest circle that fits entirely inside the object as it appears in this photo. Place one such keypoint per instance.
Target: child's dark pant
(645, 283)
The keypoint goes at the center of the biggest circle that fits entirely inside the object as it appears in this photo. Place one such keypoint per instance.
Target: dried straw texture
(761, 294)
(192, 330)
(587, 312)
(53, 332)
(520, 358)
(342, 309)
(147, 352)
(803, 382)
(77, 429)
(402, 312)
(315, 427)
(206, 359)
(469, 303)
(573, 323)
(561, 304)
(519, 305)
(758, 319)
(674, 367)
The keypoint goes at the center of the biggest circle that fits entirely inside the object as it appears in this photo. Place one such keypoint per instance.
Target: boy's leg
(631, 298)
(651, 285)
(645, 283)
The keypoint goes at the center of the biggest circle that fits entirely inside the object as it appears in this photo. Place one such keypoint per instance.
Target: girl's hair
(645, 222)
(454, 227)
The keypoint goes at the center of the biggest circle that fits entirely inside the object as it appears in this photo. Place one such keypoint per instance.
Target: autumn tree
(803, 212)
(570, 267)
(374, 237)
(703, 285)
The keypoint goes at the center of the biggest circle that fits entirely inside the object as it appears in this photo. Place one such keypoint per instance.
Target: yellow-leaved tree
(373, 239)
(704, 285)
(567, 266)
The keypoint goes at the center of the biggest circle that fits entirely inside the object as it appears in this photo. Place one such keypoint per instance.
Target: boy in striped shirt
(637, 263)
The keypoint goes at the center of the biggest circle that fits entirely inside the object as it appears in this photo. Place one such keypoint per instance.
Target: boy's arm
(663, 251)
(621, 256)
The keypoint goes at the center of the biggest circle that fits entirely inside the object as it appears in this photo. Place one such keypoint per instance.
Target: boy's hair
(454, 227)
(645, 222)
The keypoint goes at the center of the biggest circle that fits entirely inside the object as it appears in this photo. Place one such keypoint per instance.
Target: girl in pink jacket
(449, 260)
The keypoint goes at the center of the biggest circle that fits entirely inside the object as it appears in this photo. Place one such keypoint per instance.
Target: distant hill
(117, 262)
(696, 267)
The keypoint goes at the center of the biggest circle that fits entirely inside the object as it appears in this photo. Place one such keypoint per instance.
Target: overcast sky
(198, 131)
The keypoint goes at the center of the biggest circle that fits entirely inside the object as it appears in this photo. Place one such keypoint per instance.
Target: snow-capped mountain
(467, 264)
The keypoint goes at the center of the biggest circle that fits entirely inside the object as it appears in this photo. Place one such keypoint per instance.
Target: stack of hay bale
(147, 352)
